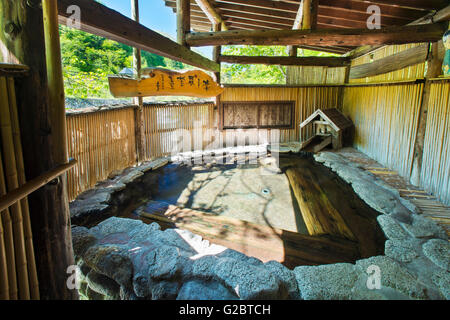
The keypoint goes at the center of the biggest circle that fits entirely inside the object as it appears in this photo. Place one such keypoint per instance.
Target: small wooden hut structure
(331, 125)
(386, 79)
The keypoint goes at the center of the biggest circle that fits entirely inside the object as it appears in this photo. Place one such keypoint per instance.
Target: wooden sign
(161, 82)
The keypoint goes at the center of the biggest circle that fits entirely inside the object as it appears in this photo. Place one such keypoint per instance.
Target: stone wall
(131, 186)
(127, 259)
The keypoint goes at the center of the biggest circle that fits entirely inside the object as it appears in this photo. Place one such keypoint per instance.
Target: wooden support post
(49, 210)
(306, 19)
(342, 88)
(292, 51)
(434, 70)
(217, 50)
(139, 101)
(183, 20)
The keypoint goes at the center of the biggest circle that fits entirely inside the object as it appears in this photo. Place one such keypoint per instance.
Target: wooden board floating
(160, 82)
(263, 242)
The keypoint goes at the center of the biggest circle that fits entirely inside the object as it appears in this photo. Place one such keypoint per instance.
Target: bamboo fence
(315, 75)
(435, 174)
(410, 73)
(172, 128)
(386, 121)
(17, 262)
(102, 142)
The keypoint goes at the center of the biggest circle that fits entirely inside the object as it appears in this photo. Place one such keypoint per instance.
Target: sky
(154, 15)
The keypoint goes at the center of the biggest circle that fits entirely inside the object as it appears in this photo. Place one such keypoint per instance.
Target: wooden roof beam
(105, 22)
(395, 62)
(442, 15)
(331, 37)
(288, 61)
(211, 13)
(418, 4)
(240, 9)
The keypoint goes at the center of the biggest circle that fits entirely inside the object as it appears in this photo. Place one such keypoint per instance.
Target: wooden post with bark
(183, 21)
(139, 101)
(40, 113)
(434, 70)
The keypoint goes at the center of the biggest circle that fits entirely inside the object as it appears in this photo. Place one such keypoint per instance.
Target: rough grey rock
(248, 282)
(112, 261)
(233, 254)
(204, 290)
(153, 165)
(403, 250)
(375, 192)
(116, 225)
(100, 197)
(93, 295)
(361, 292)
(164, 290)
(392, 230)
(326, 282)
(394, 276)
(287, 278)
(203, 267)
(131, 176)
(82, 239)
(422, 227)
(168, 263)
(438, 251)
(83, 210)
(442, 280)
(102, 284)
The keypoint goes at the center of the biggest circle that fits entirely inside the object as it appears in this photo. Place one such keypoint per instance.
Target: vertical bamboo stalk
(32, 272)
(8, 264)
(4, 286)
(12, 183)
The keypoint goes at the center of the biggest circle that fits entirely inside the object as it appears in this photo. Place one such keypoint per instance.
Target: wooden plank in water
(318, 212)
(323, 197)
(262, 242)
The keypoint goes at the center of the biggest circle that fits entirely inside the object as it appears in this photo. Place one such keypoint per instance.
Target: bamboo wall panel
(102, 142)
(18, 278)
(307, 100)
(386, 121)
(409, 73)
(173, 128)
(314, 75)
(435, 175)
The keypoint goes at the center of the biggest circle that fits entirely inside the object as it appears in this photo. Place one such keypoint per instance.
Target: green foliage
(253, 74)
(259, 74)
(88, 60)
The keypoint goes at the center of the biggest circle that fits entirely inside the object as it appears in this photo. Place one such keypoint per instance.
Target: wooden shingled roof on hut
(333, 116)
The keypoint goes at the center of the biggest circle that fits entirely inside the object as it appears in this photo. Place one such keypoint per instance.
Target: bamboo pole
(32, 272)
(18, 193)
(4, 286)
(8, 262)
(12, 183)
